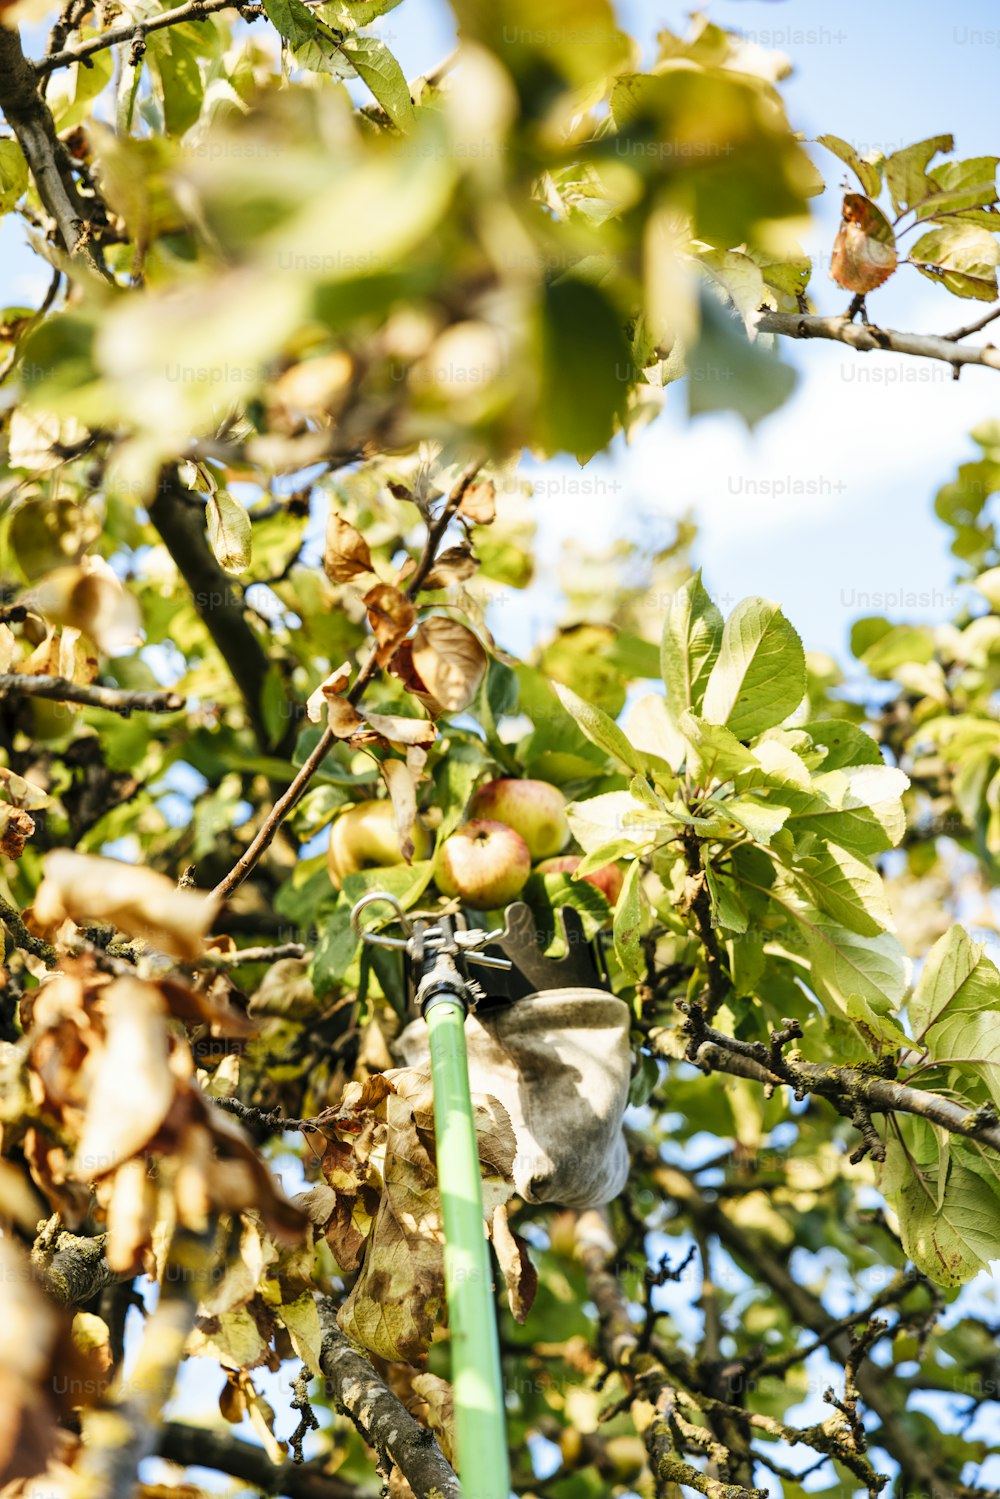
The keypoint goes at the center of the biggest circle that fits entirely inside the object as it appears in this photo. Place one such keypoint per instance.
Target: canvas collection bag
(559, 1061)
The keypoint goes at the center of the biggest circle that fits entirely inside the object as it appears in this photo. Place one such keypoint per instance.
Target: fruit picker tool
(439, 950)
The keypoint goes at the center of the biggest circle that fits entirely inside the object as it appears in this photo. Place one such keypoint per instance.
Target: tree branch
(217, 600)
(31, 121)
(846, 1086)
(383, 1422)
(865, 338)
(203, 1447)
(92, 695)
(295, 790)
(191, 10)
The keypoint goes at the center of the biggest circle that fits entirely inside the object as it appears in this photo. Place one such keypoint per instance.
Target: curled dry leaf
(90, 598)
(229, 531)
(327, 692)
(391, 616)
(439, 1414)
(519, 1274)
(130, 1085)
(479, 503)
(16, 827)
(28, 1332)
(403, 793)
(139, 901)
(864, 251)
(346, 555)
(449, 660)
(452, 566)
(380, 1162)
(400, 730)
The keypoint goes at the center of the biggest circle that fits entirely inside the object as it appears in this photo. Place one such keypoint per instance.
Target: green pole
(480, 1424)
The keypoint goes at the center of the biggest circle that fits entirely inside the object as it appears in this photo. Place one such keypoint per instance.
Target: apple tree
(261, 511)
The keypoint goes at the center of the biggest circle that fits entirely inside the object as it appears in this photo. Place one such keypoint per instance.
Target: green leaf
(760, 675)
(963, 185)
(845, 963)
(962, 257)
(726, 371)
(585, 364)
(846, 888)
(627, 928)
(868, 173)
(614, 815)
(376, 66)
(717, 751)
(229, 531)
(294, 20)
(692, 636)
(844, 742)
(335, 951)
(175, 58)
(906, 170)
(956, 979)
(728, 910)
(13, 174)
(274, 705)
(952, 1242)
(644, 1080)
(600, 729)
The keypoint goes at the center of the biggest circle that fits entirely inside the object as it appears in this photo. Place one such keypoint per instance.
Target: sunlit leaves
(692, 636)
(759, 676)
(961, 256)
(13, 174)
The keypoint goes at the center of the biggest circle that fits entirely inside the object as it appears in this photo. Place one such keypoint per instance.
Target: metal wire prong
(381, 897)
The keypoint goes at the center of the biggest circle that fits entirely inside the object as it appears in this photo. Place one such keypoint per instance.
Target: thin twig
(191, 10)
(91, 695)
(251, 955)
(984, 321)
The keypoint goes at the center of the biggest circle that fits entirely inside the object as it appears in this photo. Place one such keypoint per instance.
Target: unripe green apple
(608, 879)
(364, 837)
(486, 864)
(534, 809)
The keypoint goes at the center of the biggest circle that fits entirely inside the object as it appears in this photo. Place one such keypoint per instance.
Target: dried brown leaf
(520, 1275)
(346, 555)
(479, 503)
(391, 616)
(130, 1086)
(403, 794)
(141, 902)
(450, 661)
(452, 566)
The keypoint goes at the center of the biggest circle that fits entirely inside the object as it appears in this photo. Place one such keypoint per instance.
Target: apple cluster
(513, 824)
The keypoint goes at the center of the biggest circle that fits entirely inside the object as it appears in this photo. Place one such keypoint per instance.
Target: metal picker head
(516, 957)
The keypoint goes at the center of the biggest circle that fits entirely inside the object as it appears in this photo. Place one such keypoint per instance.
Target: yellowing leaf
(450, 660)
(229, 531)
(131, 1087)
(346, 556)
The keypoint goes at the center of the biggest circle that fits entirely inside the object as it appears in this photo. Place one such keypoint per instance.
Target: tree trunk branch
(848, 1085)
(217, 600)
(31, 121)
(384, 1423)
(91, 695)
(203, 1447)
(865, 338)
